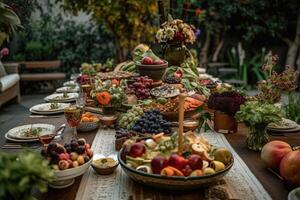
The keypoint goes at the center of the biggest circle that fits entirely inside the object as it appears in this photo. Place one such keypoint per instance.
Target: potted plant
(256, 116)
(109, 96)
(270, 90)
(19, 174)
(174, 34)
(225, 105)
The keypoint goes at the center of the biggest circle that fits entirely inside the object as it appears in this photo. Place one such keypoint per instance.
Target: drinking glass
(46, 139)
(73, 116)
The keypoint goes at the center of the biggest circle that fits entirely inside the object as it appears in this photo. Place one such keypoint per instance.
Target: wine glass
(46, 139)
(73, 116)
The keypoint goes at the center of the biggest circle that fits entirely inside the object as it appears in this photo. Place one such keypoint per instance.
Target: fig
(63, 164)
(80, 149)
(81, 141)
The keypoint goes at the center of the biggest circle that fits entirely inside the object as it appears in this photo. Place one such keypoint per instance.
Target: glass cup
(46, 139)
(73, 117)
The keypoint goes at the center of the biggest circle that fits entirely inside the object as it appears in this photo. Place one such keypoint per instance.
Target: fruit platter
(156, 162)
(68, 161)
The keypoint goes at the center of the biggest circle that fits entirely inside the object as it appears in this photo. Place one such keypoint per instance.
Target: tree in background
(129, 21)
(245, 20)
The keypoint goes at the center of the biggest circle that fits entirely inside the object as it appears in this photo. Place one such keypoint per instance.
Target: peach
(289, 168)
(273, 152)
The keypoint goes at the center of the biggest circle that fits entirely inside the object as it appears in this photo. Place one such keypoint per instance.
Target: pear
(223, 155)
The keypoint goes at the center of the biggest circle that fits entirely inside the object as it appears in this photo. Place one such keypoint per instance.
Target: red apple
(195, 161)
(273, 152)
(147, 61)
(177, 161)
(158, 163)
(289, 168)
(64, 156)
(187, 170)
(158, 62)
(137, 150)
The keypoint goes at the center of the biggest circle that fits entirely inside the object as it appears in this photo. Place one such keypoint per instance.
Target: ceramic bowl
(174, 182)
(190, 125)
(154, 72)
(105, 171)
(65, 178)
(88, 126)
(292, 195)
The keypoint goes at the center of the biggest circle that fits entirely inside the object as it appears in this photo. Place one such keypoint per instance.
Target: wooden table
(273, 185)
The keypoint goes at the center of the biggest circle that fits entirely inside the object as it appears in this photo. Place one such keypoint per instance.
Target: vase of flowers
(109, 96)
(256, 116)
(225, 106)
(174, 34)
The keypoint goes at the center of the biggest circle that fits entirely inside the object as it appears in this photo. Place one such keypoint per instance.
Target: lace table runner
(240, 181)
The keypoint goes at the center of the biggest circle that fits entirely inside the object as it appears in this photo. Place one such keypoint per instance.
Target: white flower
(169, 33)
(159, 35)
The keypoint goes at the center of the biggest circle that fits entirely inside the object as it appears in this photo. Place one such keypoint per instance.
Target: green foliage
(254, 112)
(21, 173)
(292, 108)
(9, 21)
(71, 42)
(247, 67)
(130, 22)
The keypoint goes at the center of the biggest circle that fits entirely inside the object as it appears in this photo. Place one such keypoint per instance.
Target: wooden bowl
(154, 72)
(173, 182)
(108, 120)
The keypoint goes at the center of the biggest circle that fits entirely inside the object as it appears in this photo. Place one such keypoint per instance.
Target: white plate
(16, 133)
(19, 140)
(297, 128)
(67, 89)
(54, 97)
(287, 124)
(45, 108)
(70, 83)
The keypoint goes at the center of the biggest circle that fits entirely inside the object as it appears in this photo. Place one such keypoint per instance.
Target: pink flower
(4, 52)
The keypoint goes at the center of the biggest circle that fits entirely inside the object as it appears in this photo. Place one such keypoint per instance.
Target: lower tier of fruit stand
(239, 183)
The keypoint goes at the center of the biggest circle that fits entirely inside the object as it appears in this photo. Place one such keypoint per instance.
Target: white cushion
(8, 81)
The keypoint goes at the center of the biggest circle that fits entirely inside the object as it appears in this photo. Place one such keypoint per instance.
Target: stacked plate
(49, 108)
(68, 89)
(286, 125)
(61, 98)
(29, 132)
(71, 84)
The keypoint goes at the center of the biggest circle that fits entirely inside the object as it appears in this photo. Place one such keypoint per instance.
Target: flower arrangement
(108, 94)
(175, 30)
(227, 102)
(276, 83)
(257, 115)
(254, 112)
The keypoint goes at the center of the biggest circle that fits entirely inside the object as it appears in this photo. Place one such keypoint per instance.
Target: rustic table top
(273, 185)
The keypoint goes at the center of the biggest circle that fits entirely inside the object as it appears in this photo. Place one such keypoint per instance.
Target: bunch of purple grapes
(141, 87)
(123, 133)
